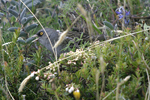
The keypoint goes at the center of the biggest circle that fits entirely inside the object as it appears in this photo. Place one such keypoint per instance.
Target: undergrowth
(115, 67)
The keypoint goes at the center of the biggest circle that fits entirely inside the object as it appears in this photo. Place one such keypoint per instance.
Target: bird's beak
(36, 38)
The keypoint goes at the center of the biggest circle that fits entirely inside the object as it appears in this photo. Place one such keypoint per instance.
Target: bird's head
(43, 37)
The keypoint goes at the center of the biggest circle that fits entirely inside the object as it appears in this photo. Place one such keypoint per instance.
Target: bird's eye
(41, 33)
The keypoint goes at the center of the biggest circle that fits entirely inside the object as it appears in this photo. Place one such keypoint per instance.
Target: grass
(117, 68)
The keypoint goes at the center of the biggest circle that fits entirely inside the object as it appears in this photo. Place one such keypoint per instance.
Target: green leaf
(12, 29)
(21, 41)
(23, 13)
(1, 14)
(28, 1)
(28, 19)
(58, 89)
(13, 12)
(32, 26)
(24, 20)
(108, 24)
(34, 3)
(23, 34)
(29, 40)
(96, 29)
(14, 2)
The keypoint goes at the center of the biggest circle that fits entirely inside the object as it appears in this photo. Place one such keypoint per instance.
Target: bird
(54, 36)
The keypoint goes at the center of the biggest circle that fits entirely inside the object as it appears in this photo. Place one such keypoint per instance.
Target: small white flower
(37, 78)
(48, 77)
(67, 89)
(71, 89)
(45, 76)
(48, 67)
(76, 58)
(38, 70)
(49, 63)
(74, 63)
(32, 74)
(146, 38)
(77, 90)
(60, 60)
(77, 50)
(69, 62)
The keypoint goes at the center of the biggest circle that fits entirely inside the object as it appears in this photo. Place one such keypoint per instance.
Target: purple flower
(120, 11)
(117, 12)
(126, 21)
(120, 16)
(127, 13)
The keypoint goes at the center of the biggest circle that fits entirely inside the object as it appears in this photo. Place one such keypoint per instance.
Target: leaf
(23, 20)
(97, 29)
(23, 34)
(20, 4)
(13, 12)
(23, 13)
(12, 29)
(34, 3)
(3, 1)
(21, 41)
(108, 24)
(28, 1)
(14, 2)
(1, 14)
(28, 28)
(12, 7)
(28, 19)
(29, 40)
(58, 89)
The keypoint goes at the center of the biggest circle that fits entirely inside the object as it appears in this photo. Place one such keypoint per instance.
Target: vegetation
(116, 68)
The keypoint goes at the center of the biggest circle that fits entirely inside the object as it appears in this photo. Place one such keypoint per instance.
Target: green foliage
(95, 69)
